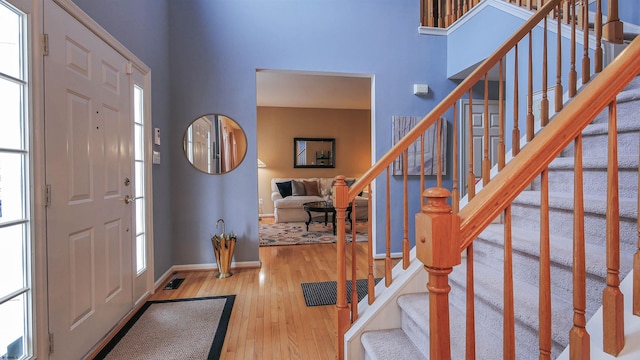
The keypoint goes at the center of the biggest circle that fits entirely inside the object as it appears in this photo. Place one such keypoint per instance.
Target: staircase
(517, 293)
(411, 340)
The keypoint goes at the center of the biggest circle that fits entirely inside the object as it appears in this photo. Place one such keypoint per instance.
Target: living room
(344, 117)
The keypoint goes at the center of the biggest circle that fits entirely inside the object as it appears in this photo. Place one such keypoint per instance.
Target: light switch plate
(156, 157)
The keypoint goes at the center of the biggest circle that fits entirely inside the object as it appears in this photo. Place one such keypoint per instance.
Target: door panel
(477, 139)
(88, 131)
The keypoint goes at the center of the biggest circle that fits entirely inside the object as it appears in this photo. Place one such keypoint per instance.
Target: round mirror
(214, 144)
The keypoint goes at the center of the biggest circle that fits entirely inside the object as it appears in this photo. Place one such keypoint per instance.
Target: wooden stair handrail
(450, 100)
(548, 144)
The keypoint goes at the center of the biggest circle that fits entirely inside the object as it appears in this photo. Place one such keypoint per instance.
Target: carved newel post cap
(436, 200)
(437, 231)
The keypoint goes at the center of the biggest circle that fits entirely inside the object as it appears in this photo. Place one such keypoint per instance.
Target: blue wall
(215, 49)
(208, 65)
(480, 36)
(142, 26)
(204, 55)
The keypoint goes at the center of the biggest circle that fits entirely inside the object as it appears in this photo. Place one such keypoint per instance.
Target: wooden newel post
(613, 29)
(343, 319)
(438, 248)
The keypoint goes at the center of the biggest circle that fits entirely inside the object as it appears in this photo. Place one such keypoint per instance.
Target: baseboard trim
(395, 255)
(214, 266)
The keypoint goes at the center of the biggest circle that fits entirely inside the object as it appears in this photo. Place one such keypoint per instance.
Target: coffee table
(325, 207)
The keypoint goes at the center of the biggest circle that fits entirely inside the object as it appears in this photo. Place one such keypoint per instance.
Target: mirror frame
(331, 157)
(216, 142)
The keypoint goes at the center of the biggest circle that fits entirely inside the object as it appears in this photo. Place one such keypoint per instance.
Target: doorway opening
(295, 104)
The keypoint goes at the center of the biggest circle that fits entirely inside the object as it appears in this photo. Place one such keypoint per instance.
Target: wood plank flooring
(270, 319)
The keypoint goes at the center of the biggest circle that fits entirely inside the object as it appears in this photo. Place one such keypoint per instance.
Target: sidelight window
(15, 212)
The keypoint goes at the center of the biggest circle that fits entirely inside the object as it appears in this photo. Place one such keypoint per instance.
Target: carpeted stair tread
(624, 125)
(415, 323)
(489, 290)
(630, 94)
(562, 176)
(389, 344)
(527, 241)
(595, 162)
(592, 204)
(489, 250)
(626, 104)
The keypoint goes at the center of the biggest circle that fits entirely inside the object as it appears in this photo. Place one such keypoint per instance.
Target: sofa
(289, 208)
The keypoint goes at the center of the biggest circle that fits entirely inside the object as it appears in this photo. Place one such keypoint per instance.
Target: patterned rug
(295, 233)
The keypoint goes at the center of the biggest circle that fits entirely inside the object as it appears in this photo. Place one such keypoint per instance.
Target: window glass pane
(11, 187)
(139, 179)
(138, 140)
(10, 114)
(140, 252)
(12, 342)
(11, 258)
(139, 217)
(10, 42)
(137, 105)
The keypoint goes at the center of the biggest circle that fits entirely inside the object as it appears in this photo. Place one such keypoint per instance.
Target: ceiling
(313, 90)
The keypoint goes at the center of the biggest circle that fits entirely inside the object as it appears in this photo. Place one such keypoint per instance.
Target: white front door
(88, 135)
(477, 139)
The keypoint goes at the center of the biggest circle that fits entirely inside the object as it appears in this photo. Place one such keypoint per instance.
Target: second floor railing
(443, 13)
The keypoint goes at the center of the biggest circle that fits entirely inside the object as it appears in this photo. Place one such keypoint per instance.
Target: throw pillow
(284, 188)
(311, 188)
(297, 188)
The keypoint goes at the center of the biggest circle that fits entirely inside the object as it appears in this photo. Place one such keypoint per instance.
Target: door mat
(325, 292)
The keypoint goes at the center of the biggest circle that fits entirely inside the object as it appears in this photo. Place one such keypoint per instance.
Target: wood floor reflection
(270, 319)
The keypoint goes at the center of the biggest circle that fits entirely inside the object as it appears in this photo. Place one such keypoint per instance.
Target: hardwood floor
(270, 319)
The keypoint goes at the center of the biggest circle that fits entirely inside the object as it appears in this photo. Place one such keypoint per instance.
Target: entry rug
(326, 292)
(173, 329)
(295, 233)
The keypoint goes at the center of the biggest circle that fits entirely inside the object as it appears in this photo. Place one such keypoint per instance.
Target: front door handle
(128, 199)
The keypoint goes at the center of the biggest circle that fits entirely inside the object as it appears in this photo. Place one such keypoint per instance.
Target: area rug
(173, 329)
(295, 233)
(325, 292)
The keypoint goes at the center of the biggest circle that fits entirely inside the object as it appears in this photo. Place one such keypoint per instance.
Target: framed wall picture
(401, 126)
(314, 153)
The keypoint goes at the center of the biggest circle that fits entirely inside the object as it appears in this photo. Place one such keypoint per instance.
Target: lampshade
(261, 164)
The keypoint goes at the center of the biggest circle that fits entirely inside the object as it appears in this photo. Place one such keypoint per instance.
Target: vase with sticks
(223, 246)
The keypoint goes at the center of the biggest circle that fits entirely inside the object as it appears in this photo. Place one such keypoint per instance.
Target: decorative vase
(223, 246)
